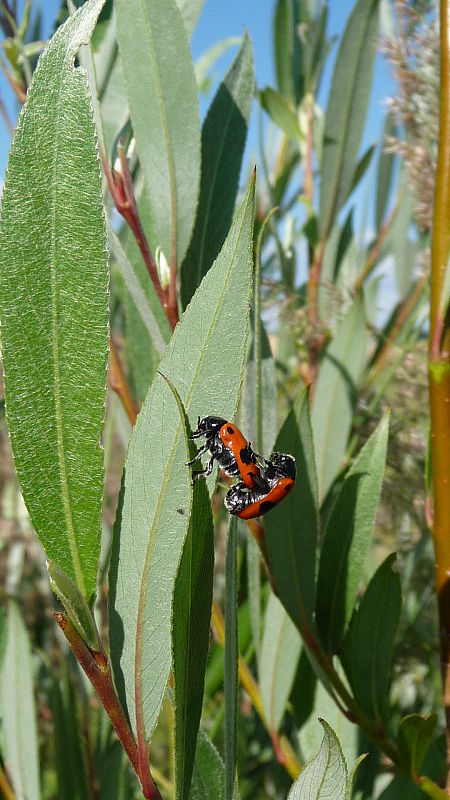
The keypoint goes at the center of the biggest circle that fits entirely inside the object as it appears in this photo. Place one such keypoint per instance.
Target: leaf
(231, 659)
(206, 61)
(54, 304)
(146, 555)
(281, 113)
(326, 775)
(162, 97)
(413, 739)
(190, 634)
(361, 168)
(280, 653)
(287, 50)
(367, 648)
(347, 538)
(75, 604)
(223, 141)
(208, 779)
(18, 710)
(385, 173)
(335, 393)
(292, 526)
(347, 109)
(190, 11)
(68, 754)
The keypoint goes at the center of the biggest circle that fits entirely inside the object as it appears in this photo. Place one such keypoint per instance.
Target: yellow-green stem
(439, 366)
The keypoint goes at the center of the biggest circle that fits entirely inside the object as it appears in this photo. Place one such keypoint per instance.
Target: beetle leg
(201, 450)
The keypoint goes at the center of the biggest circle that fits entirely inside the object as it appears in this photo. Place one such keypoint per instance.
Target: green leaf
(361, 168)
(335, 393)
(162, 97)
(156, 481)
(190, 11)
(223, 141)
(18, 710)
(287, 50)
(190, 634)
(292, 526)
(385, 172)
(208, 779)
(347, 108)
(68, 754)
(281, 113)
(54, 305)
(367, 648)
(231, 682)
(326, 775)
(280, 653)
(206, 61)
(347, 539)
(413, 739)
(75, 604)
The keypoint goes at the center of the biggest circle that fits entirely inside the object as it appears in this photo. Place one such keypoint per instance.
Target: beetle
(229, 447)
(279, 473)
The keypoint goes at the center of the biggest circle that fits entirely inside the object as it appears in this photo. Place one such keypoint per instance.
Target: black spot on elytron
(245, 456)
(266, 506)
(230, 430)
(288, 488)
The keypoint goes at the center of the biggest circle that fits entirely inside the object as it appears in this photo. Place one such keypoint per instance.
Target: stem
(439, 366)
(119, 384)
(5, 787)
(374, 251)
(316, 340)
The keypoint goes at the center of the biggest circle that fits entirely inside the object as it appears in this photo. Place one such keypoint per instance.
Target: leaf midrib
(56, 367)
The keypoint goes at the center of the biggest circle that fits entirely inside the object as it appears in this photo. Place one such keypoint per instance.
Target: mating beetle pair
(263, 483)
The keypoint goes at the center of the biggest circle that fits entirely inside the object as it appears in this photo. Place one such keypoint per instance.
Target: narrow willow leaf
(147, 552)
(190, 11)
(385, 172)
(162, 97)
(231, 660)
(287, 49)
(223, 141)
(335, 393)
(18, 710)
(281, 113)
(347, 539)
(280, 653)
(347, 109)
(68, 754)
(291, 527)
(361, 168)
(367, 649)
(190, 634)
(54, 306)
(75, 604)
(208, 779)
(413, 739)
(326, 775)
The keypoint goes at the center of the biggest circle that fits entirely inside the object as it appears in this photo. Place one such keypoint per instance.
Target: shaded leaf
(292, 526)
(281, 113)
(347, 109)
(280, 652)
(347, 538)
(18, 710)
(287, 49)
(413, 739)
(367, 648)
(362, 167)
(68, 755)
(385, 173)
(157, 484)
(208, 779)
(223, 140)
(335, 393)
(190, 634)
(54, 303)
(326, 775)
(162, 97)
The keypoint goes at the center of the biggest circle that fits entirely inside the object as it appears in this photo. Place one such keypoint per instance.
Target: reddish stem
(119, 383)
